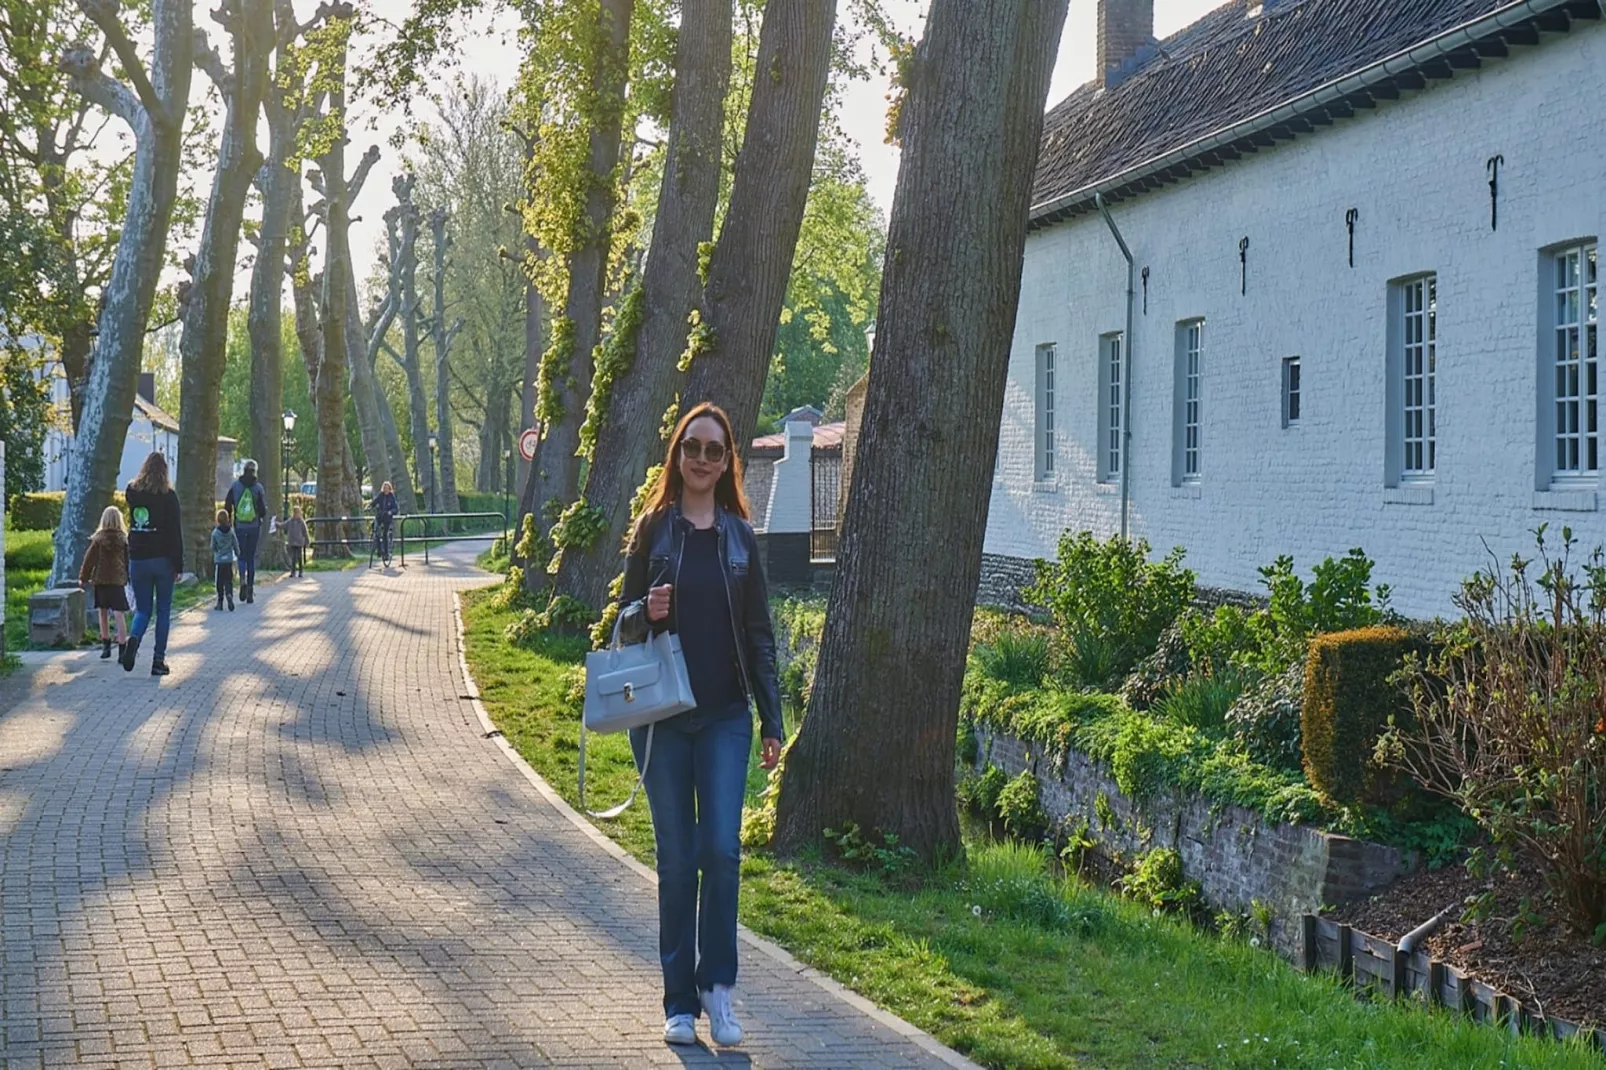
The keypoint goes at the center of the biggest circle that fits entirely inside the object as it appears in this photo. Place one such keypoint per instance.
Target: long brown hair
(666, 492)
(152, 478)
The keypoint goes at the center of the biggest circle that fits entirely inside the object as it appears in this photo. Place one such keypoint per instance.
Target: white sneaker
(680, 1029)
(722, 1022)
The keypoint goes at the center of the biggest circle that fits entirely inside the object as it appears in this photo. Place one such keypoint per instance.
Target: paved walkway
(300, 850)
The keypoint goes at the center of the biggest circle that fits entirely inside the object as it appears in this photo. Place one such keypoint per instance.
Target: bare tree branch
(100, 88)
(354, 187)
(209, 61)
(103, 13)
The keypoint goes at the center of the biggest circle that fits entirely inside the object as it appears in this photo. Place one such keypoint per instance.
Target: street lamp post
(434, 482)
(507, 487)
(285, 444)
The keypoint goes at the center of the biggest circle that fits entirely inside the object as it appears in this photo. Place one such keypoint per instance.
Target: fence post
(1309, 943)
(1346, 953)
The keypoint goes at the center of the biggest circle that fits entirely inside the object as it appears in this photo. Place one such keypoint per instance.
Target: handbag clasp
(630, 692)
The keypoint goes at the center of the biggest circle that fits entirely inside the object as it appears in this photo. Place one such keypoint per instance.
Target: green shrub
(1145, 755)
(1020, 807)
(980, 793)
(799, 625)
(512, 594)
(1093, 660)
(1338, 598)
(856, 847)
(1219, 640)
(41, 510)
(1167, 663)
(1110, 598)
(1265, 719)
(1017, 656)
(1347, 703)
(1157, 881)
(525, 630)
(1201, 701)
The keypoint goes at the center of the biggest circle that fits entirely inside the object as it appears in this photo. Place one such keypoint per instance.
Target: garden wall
(1235, 854)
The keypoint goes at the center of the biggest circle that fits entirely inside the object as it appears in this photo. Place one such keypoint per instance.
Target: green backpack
(245, 509)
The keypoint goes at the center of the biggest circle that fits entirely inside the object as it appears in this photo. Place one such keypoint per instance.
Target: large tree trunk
(642, 382)
(265, 313)
(155, 110)
(446, 497)
(753, 259)
(411, 362)
(204, 343)
(556, 478)
(877, 746)
(330, 393)
(371, 403)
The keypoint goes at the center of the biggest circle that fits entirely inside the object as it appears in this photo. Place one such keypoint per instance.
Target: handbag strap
(641, 779)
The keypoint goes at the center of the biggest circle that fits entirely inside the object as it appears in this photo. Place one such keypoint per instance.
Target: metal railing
(362, 542)
(428, 521)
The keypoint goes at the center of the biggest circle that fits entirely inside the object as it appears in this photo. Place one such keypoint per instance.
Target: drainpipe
(1126, 359)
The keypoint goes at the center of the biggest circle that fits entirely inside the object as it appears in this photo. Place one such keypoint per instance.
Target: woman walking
(385, 510)
(156, 557)
(693, 568)
(105, 573)
(248, 506)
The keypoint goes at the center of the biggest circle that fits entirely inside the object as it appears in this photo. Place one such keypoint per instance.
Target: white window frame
(1186, 402)
(1411, 391)
(1569, 373)
(1111, 397)
(1044, 444)
(1418, 411)
(1293, 390)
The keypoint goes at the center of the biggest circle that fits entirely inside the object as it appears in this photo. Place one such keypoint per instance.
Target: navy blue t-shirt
(703, 617)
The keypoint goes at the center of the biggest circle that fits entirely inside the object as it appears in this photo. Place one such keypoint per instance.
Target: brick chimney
(1124, 27)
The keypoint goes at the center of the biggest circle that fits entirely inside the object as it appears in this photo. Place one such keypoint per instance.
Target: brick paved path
(300, 850)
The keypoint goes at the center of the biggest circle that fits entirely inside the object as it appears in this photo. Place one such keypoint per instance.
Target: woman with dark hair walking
(155, 558)
(692, 567)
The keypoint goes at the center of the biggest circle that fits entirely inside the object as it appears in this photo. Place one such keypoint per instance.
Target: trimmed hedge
(41, 510)
(1347, 703)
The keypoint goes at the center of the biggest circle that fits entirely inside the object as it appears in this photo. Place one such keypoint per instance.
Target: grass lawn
(1049, 973)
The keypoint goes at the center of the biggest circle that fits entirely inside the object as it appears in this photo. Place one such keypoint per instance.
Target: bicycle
(379, 541)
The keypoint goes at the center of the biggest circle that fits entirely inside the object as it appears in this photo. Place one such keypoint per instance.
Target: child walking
(105, 573)
(225, 551)
(295, 532)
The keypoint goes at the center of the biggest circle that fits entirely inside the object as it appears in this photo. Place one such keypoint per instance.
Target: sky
(491, 51)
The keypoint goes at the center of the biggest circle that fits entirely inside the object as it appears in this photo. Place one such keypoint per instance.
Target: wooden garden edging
(1378, 967)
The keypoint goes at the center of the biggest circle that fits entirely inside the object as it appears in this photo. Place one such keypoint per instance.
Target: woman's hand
(658, 603)
(771, 754)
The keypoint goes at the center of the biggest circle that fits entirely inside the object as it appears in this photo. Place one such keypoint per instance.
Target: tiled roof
(155, 414)
(1228, 68)
(826, 437)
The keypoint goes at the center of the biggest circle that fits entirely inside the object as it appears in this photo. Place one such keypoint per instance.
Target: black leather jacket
(656, 560)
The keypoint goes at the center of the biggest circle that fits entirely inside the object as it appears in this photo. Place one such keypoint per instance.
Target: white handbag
(628, 687)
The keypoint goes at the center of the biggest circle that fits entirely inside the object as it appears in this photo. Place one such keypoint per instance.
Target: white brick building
(1438, 394)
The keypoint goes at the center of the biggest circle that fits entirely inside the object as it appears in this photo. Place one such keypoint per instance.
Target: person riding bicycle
(384, 506)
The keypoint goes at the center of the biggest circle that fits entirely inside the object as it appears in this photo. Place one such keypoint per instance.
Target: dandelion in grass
(1254, 941)
(976, 910)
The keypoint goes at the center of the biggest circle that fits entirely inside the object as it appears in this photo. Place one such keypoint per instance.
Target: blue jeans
(696, 783)
(153, 581)
(249, 537)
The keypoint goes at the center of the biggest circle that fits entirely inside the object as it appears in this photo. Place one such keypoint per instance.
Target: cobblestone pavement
(299, 850)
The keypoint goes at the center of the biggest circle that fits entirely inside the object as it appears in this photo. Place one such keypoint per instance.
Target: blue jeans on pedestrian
(249, 537)
(696, 783)
(153, 582)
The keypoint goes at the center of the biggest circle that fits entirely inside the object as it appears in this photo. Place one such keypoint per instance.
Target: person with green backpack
(248, 505)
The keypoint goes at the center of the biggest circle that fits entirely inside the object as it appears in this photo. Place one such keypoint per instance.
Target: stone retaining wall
(1235, 854)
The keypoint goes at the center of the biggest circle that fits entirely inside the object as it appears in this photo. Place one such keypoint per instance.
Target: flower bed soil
(1551, 968)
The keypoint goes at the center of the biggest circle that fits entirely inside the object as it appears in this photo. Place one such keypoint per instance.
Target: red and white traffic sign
(528, 439)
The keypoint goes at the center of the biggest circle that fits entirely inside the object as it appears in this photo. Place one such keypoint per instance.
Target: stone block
(56, 617)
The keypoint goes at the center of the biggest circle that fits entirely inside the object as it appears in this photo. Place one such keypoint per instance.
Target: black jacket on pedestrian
(153, 527)
(385, 507)
(655, 560)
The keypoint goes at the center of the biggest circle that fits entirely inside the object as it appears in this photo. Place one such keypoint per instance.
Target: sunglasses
(696, 450)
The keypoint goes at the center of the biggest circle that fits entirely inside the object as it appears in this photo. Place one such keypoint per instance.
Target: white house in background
(1365, 263)
(151, 429)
